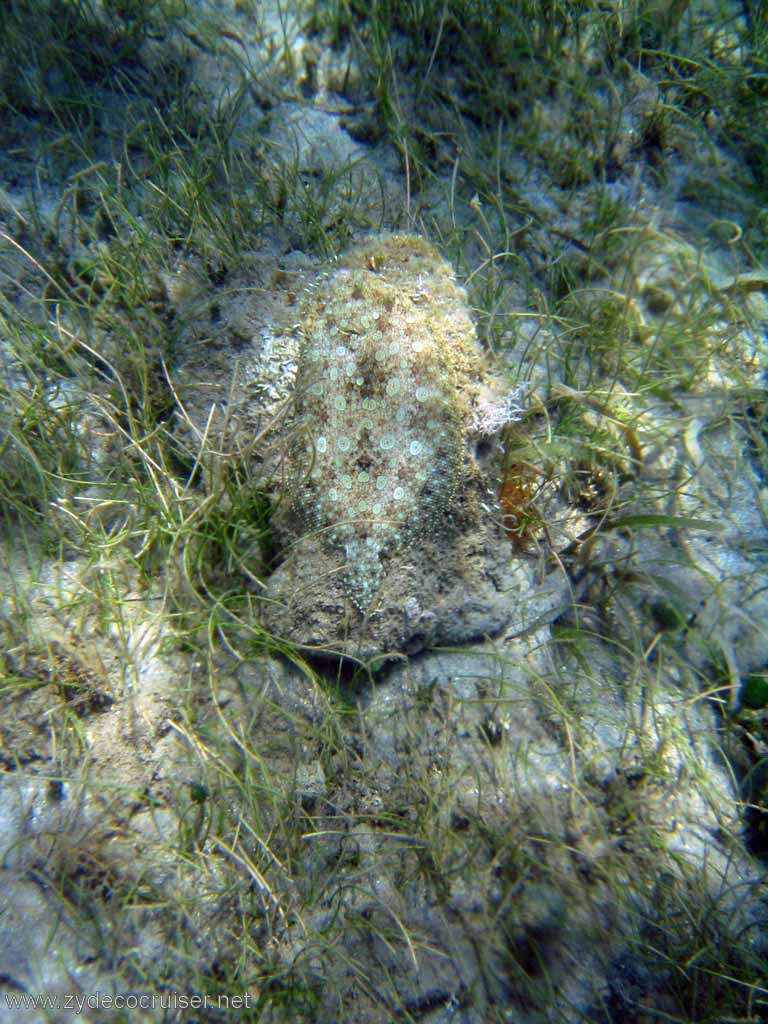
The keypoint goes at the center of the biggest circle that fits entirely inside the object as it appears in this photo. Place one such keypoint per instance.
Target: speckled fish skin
(379, 448)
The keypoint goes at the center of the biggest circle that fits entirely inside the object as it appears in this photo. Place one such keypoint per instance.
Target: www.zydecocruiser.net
(78, 1003)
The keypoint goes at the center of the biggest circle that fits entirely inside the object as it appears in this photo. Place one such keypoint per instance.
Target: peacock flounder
(388, 547)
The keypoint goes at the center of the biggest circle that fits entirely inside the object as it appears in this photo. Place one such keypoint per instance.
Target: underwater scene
(384, 511)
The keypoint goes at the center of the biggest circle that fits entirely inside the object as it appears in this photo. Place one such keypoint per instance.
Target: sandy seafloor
(545, 806)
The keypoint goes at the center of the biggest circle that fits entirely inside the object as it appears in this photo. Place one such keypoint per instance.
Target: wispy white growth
(491, 414)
